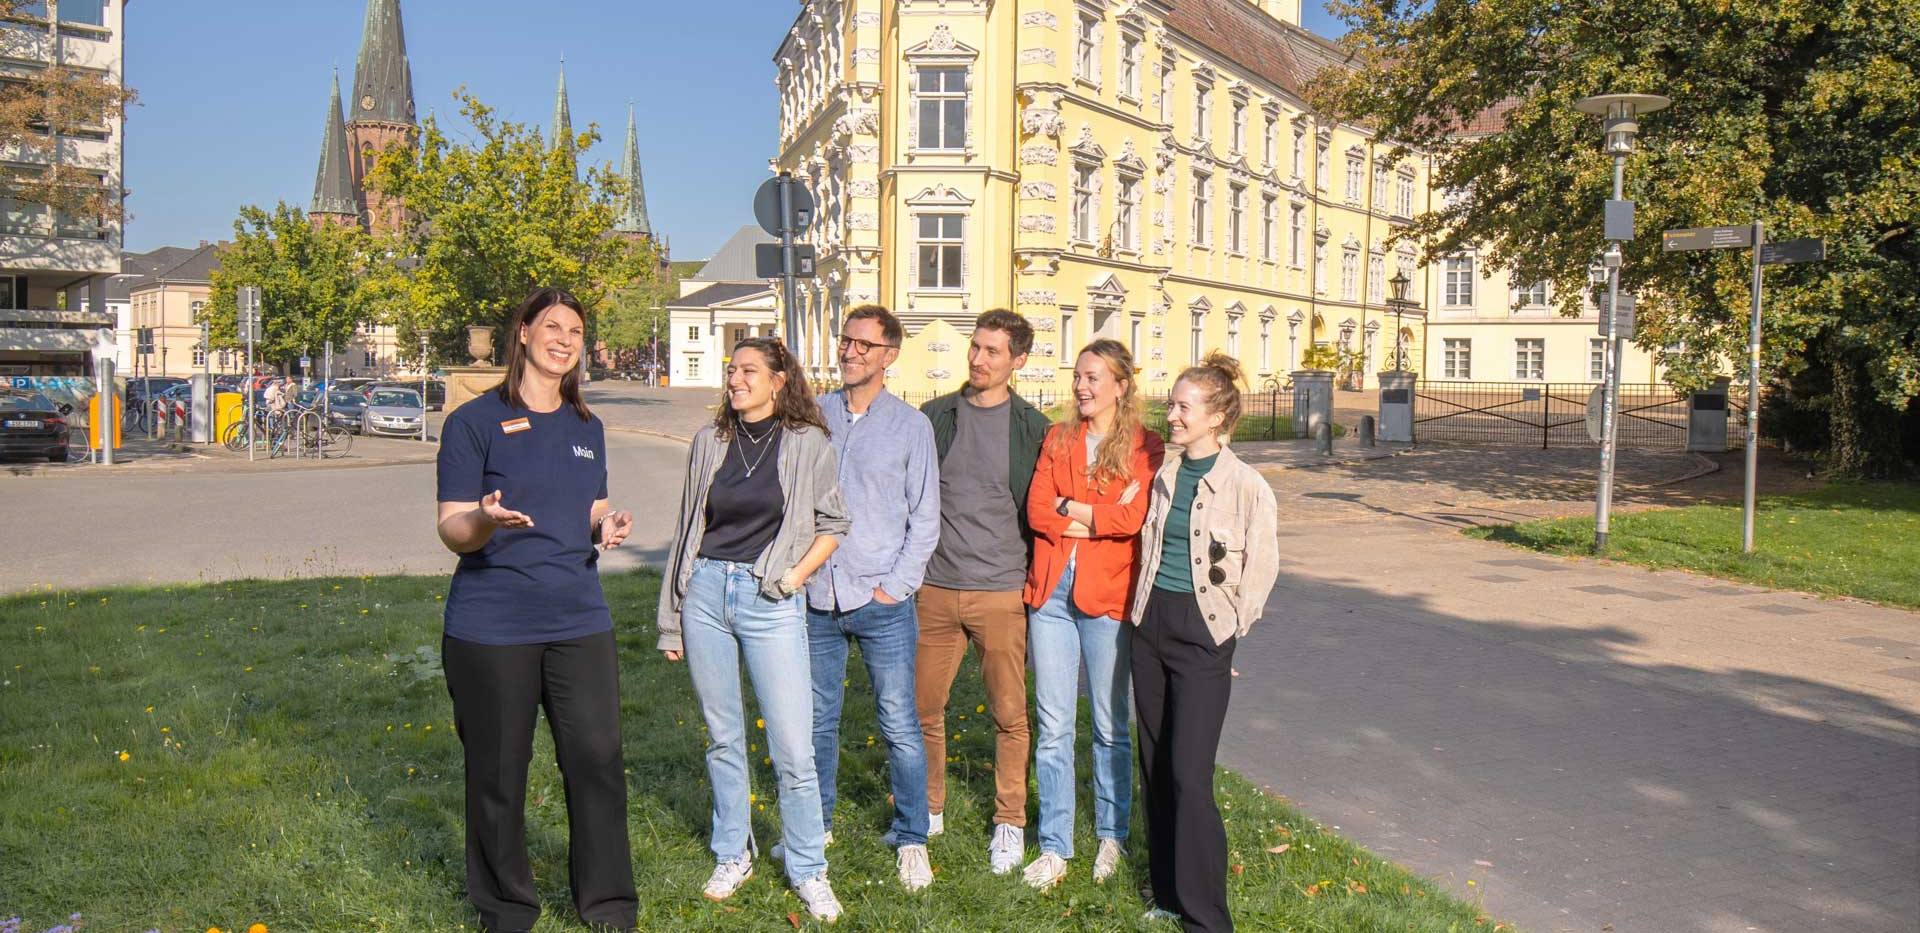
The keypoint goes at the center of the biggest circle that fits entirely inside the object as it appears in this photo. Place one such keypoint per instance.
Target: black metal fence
(1265, 415)
(1554, 414)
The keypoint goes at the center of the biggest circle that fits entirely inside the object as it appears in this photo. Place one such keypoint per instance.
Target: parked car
(393, 411)
(346, 409)
(353, 383)
(436, 391)
(140, 388)
(32, 425)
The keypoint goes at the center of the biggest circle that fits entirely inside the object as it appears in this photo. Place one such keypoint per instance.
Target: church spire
(562, 117)
(333, 190)
(633, 209)
(382, 78)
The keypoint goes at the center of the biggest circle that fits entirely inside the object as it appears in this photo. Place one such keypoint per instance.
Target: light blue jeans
(723, 619)
(887, 635)
(1059, 637)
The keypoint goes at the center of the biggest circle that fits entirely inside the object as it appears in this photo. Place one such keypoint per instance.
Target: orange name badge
(515, 426)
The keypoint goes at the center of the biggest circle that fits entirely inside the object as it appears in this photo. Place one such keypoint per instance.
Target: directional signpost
(784, 207)
(246, 302)
(1810, 249)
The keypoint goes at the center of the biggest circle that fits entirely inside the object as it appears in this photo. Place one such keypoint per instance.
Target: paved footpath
(1576, 744)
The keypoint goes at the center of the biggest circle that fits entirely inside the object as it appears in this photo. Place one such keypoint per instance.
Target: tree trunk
(1866, 432)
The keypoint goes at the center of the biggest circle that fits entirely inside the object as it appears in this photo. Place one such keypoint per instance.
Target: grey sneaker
(1108, 860)
(915, 871)
(1009, 843)
(727, 878)
(817, 894)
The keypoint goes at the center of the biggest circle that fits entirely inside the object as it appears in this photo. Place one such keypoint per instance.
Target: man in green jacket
(987, 439)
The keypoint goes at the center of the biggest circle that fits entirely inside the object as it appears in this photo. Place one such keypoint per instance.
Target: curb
(649, 432)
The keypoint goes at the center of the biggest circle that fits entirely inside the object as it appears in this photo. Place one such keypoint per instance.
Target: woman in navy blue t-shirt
(523, 501)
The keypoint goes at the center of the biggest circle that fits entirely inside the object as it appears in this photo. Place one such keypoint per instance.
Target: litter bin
(228, 408)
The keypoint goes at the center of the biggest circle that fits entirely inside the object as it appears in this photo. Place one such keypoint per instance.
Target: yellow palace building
(1145, 170)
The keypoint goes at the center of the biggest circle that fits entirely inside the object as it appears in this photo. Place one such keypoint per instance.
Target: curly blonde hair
(1129, 418)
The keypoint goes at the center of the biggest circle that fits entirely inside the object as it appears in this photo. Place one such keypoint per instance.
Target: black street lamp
(1399, 303)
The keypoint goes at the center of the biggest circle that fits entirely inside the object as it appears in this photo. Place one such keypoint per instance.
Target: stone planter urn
(480, 344)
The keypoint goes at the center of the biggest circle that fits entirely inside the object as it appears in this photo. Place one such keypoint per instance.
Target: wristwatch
(1062, 507)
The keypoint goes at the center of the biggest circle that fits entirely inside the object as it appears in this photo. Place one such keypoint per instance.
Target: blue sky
(233, 97)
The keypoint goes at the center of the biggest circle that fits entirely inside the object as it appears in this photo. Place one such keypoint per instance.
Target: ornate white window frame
(940, 50)
(945, 201)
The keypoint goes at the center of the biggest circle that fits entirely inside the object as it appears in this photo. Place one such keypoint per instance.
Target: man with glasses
(890, 480)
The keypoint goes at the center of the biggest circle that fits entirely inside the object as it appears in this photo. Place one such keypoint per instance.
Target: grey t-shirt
(980, 545)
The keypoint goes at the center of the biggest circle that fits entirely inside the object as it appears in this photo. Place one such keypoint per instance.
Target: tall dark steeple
(562, 116)
(382, 78)
(633, 208)
(335, 199)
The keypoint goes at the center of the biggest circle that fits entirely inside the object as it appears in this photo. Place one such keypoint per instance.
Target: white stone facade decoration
(1035, 374)
(942, 39)
(1037, 57)
(1157, 354)
(863, 188)
(862, 296)
(1037, 223)
(1039, 190)
(863, 220)
(866, 19)
(1158, 375)
(866, 56)
(864, 121)
(1045, 349)
(1041, 121)
(939, 346)
(1040, 20)
(939, 375)
(1038, 154)
(893, 372)
(1037, 296)
(1045, 324)
(1158, 331)
(864, 152)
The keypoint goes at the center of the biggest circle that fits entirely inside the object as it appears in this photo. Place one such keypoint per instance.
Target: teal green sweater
(1176, 551)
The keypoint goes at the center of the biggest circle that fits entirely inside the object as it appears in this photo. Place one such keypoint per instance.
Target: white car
(393, 412)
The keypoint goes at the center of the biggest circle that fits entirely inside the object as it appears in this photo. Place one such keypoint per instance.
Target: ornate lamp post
(1399, 303)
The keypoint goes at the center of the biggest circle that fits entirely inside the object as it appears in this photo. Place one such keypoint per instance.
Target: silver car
(393, 412)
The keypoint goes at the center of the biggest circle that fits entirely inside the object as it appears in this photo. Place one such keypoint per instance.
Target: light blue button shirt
(890, 478)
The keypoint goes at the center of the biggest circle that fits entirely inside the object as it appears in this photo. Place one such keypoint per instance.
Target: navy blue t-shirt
(526, 585)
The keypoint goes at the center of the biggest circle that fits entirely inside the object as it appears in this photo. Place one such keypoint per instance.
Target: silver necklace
(741, 431)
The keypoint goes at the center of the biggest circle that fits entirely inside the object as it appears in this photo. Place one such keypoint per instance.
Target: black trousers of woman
(498, 691)
(1181, 684)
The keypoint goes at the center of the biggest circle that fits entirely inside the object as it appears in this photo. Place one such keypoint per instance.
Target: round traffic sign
(766, 205)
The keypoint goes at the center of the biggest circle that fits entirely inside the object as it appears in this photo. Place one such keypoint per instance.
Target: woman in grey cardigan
(760, 512)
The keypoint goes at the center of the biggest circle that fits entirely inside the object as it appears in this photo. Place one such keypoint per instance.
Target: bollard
(1366, 431)
(1324, 437)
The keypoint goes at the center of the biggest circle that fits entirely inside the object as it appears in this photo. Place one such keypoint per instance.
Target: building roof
(381, 75)
(195, 267)
(720, 293)
(1242, 34)
(733, 261)
(333, 191)
(1489, 121)
(633, 207)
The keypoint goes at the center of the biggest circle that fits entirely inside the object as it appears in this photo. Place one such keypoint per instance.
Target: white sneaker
(1046, 871)
(1009, 843)
(1107, 861)
(779, 850)
(915, 871)
(936, 824)
(727, 878)
(817, 894)
(1158, 914)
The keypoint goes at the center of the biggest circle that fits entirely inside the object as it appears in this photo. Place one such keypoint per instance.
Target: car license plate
(23, 424)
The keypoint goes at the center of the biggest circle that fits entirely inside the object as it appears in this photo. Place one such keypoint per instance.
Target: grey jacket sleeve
(667, 616)
(829, 507)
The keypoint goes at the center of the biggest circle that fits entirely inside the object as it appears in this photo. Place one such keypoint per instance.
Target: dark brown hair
(793, 402)
(1019, 332)
(525, 316)
(1220, 375)
(889, 325)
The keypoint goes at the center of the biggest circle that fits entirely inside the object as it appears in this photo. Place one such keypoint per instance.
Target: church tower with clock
(379, 116)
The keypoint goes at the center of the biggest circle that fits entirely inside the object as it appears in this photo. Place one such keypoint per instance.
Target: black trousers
(497, 691)
(1181, 683)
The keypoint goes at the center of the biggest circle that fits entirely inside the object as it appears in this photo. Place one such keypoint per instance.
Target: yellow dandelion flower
(149, 707)
(429, 727)
(760, 724)
(257, 928)
(981, 708)
(166, 730)
(753, 798)
(125, 756)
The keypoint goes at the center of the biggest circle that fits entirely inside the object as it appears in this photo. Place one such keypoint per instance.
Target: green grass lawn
(1846, 539)
(282, 752)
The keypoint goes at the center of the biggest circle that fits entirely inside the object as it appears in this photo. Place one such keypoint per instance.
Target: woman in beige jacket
(1207, 563)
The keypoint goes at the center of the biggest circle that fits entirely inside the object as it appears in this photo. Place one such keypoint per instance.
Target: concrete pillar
(1312, 400)
(1396, 406)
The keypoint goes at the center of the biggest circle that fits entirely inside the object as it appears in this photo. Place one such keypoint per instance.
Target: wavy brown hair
(1129, 419)
(525, 316)
(793, 402)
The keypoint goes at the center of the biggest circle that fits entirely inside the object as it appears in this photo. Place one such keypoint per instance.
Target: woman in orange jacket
(1086, 505)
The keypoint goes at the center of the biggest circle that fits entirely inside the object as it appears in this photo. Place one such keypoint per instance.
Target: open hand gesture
(504, 517)
(614, 528)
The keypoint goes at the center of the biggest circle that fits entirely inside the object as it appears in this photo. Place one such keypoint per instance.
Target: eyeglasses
(1217, 552)
(863, 347)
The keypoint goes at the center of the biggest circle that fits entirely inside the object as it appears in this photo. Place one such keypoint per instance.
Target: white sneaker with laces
(1046, 871)
(779, 850)
(1009, 843)
(915, 871)
(1158, 914)
(817, 894)
(1108, 860)
(727, 878)
(936, 824)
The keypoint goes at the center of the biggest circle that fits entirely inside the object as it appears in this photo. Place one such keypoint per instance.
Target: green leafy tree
(635, 317)
(1803, 116)
(490, 220)
(312, 283)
